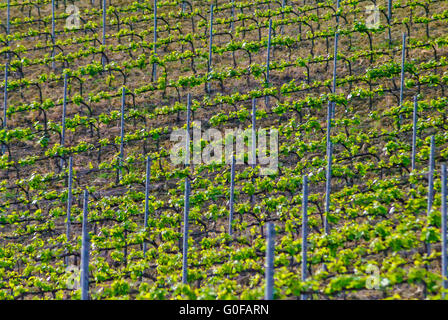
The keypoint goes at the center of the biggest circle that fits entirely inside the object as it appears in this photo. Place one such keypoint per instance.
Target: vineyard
(93, 207)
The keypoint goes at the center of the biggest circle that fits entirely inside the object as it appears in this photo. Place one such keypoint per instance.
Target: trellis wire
(403, 57)
(5, 103)
(268, 58)
(64, 111)
(53, 35)
(85, 251)
(414, 133)
(444, 230)
(185, 238)
(430, 185)
(123, 101)
(148, 176)
(210, 42)
(269, 273)
(69, 201)
(154, 65)
(232, 194)
(303, 296)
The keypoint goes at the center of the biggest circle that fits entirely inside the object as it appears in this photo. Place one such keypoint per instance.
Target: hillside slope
(379, 218)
